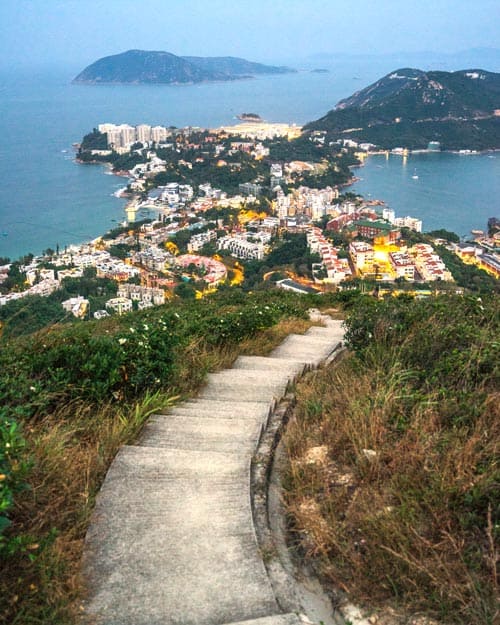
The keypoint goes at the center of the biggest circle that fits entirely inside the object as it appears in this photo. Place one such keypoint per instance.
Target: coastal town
(206, 208)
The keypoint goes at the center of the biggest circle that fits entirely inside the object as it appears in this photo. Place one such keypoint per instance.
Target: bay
(457, 192)
(46, 199)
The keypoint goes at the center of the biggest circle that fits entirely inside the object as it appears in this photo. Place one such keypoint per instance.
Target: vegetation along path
(172, 539)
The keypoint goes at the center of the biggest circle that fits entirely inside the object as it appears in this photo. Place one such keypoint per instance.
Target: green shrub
(13, 473)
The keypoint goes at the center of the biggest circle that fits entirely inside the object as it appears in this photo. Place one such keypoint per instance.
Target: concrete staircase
(172, 540)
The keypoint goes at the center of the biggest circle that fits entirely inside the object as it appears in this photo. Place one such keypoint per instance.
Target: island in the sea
(149, 67)
(411, 108)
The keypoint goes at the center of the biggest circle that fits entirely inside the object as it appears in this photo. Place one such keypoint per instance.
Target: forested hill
(234, 66)
(140, 66)
(410, 107)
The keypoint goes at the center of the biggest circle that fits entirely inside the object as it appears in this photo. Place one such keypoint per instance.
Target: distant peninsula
(411, 108)
(144, 67)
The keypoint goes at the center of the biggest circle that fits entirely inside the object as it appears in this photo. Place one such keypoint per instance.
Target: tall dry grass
(71, 450)
(392, 492)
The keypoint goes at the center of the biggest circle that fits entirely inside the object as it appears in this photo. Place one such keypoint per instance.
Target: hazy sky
(77, 32)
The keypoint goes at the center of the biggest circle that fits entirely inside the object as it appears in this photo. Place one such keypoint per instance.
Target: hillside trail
(172, 540)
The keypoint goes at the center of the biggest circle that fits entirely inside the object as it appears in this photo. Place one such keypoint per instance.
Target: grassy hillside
(392, 486)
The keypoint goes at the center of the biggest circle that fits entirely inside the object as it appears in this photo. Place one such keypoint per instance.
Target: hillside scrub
(72, 395)
(392, 485)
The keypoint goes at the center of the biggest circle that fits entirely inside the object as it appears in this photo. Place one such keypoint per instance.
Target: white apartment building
(136, 293)
(77, 306)
(104, 128)
(124, 135)
(429, 264)
(402, 265)
(282, 205)
(361, 254)
(347, 207)
(270, 223)
(127, 135)
(389, 215)
(43, 288)
(197, 241)
(116, 270)
(69, 273)
(159, 134)
(241, 248)
(112, 133)
(154, 258)
(276, 175)
(90, 259)
(119, 304)
(261, 236)
(114, 138)
(143, 133)
(408, 222)
(32, 275)
(337, 269)
(118, 136)
(170, 193)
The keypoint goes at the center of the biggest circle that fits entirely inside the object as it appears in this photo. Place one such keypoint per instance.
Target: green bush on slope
(81, 368)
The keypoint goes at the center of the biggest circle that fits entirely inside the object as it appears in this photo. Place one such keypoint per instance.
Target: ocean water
(46, 199)
(453, 191)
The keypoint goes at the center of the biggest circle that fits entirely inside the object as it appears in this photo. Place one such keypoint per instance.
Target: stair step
(173, 542)
(277, 619)
(250, 376)
(324, 332)
(213, 408)
(266, 364)
(198, 433)
(304, 339)
(242, 392)
(305, 352)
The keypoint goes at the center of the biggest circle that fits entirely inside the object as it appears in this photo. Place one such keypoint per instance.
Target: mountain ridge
(411, 107)
(160, 67)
